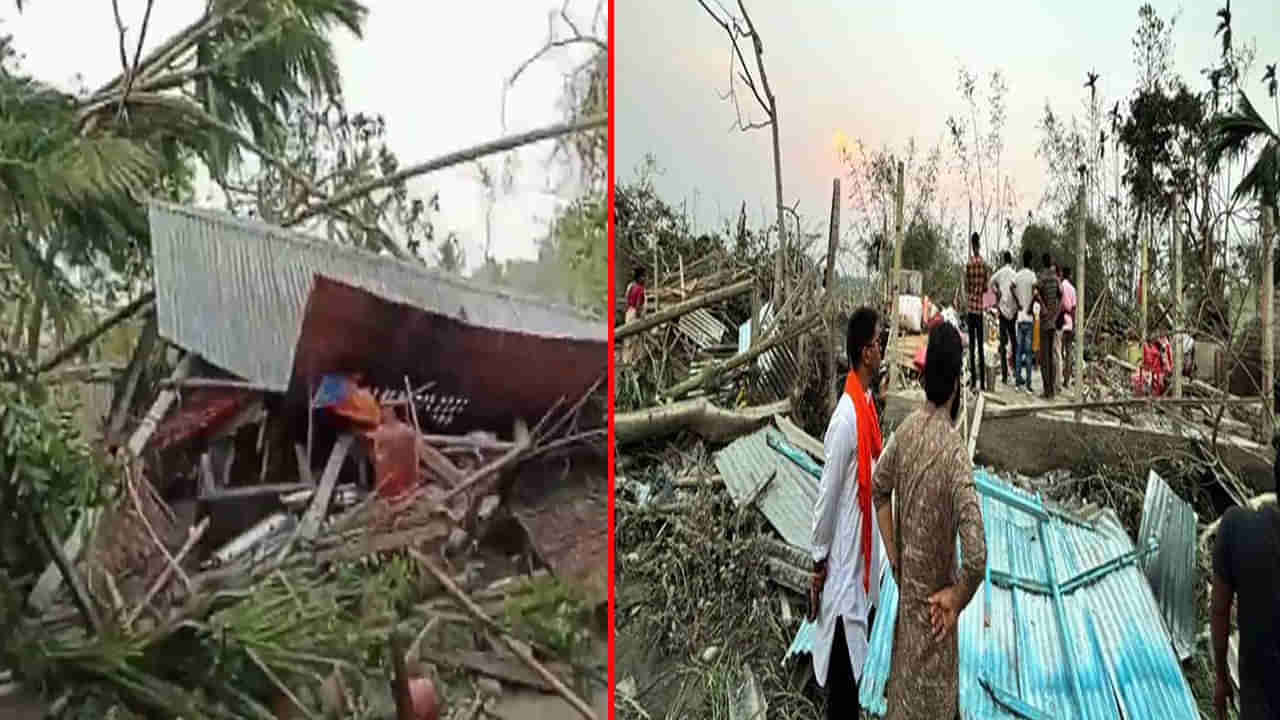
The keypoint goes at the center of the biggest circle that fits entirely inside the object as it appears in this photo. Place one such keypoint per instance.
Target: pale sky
(436, 76)
(882, 73)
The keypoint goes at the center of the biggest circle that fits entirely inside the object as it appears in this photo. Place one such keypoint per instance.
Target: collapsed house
(332, 404)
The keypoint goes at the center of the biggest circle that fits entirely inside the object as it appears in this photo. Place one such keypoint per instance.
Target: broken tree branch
(454, 158)
(86, 339)
(517, 648)
(651, 321)
(192, 539)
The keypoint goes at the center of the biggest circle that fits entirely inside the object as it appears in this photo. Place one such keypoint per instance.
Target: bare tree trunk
(1080, 315)
(1144, 282)
(833, 241)
(891, 352)
(1268, 320)
(1178, 309)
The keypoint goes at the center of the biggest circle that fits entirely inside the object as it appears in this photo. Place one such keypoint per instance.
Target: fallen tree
(675, 311)
(700, 416)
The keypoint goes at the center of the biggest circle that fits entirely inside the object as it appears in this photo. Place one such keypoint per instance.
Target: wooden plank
(138, 441)
(247, 491)
(320, 503)
(1017, 410)
(977, 424)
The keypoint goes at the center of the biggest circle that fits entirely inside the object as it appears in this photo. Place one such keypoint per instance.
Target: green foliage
(1161, 136)
(46, 468)
(1231, 136)
(552, 614)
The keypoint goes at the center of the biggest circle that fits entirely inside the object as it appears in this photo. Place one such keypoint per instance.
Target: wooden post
(1177, 298)
(1268, 320)
(891, 352)
(755, 314)
(1145, 281)
(1078, 321)
(832, 241)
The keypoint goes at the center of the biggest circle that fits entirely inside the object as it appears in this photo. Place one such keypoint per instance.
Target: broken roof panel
(479, 377)
(1171, 570)
(1097, 647)
(564, 507)
(234, 290)
(748, 462)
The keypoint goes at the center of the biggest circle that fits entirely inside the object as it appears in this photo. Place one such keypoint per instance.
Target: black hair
(1066, 272)
(1007, 257)
(973, 242)
(944, 359)
(640, 272)
(1026, 258)
(861, 332)
(1047, 259)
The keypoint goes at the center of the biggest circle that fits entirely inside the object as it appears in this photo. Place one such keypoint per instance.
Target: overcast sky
(879, 72)
(436, 76)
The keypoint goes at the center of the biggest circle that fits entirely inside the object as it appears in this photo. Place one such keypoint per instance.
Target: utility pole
(1177, 297)
(892, 351)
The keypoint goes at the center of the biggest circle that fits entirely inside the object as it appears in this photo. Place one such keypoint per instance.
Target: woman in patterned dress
(927, 472)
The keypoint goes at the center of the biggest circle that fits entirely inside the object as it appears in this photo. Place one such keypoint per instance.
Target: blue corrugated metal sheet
(1171, 571)
(1109, 656)
(788, 501)
(234, 291)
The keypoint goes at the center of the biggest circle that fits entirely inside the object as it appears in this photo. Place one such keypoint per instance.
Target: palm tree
(74, 170)
(1232, 135)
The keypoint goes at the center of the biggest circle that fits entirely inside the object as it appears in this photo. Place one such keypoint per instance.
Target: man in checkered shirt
(976, 277)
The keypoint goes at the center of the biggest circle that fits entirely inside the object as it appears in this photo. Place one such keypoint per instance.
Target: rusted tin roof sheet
(202, 410)
(1171, 571)
(234, 290)
(748, 462)
(565, 511)
(480, 377)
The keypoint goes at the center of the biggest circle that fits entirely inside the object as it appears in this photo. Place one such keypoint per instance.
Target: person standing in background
(1068, 326)
(976, 278)
(1024, 283)
(1002, 286)
(635, 305)
(1047, 294)
(845, 584)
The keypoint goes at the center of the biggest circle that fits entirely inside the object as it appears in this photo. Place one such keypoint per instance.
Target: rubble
(336, 442)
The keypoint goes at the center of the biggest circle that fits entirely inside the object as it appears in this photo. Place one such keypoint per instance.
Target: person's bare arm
(1220, 629)
(1221, 595)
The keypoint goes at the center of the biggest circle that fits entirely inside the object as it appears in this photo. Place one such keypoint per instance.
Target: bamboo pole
(1177, 298)
(1077, 321)
(895, 282)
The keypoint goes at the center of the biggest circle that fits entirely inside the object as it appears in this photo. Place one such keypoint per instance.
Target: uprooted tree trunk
(700, 416)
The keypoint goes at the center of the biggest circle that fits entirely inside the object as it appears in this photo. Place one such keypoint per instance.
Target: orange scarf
(869, 447)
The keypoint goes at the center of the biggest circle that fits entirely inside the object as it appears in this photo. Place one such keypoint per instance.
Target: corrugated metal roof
(788, 502)
(702, 328)
(1171, 571)
(233, 291)
(1102, 653)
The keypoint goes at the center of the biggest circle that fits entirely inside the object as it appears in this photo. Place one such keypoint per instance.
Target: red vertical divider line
(610, 311)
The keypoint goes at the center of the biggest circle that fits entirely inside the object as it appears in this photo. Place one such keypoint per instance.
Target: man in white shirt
(1023, 284)
(1007, 305)
(846, 540)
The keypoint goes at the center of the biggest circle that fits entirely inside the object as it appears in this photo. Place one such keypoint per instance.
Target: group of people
(908, 497)
(926, 466)
(1022, 297)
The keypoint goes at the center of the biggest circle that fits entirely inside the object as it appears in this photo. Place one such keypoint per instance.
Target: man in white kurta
(837, 547)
